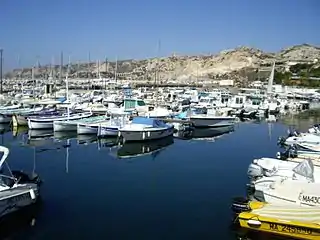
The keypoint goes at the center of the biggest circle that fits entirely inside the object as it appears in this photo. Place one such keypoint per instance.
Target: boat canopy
(149, 121)
(305, 169)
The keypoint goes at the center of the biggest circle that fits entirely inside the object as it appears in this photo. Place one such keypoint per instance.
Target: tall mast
(106, 74)
(67, 76)
(157, 71)
(53, 71)
(60, 72)
(116, 69)
(33, 80)
(67, 87)
(1, 62)
(89, 74)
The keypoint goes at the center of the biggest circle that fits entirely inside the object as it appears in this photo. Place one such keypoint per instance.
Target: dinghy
(299, 138)
(17, 190)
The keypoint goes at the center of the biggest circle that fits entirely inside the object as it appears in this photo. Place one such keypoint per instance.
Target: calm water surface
(183, 191)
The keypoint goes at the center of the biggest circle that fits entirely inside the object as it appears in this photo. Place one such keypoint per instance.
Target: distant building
(226, 82)
(303, 61)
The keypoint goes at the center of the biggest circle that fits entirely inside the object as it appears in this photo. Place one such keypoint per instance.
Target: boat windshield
(305, 169)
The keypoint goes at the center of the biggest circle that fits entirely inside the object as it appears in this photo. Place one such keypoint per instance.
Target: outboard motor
(294, 133)
(255, 171)
(281, 141)
(240, 204)
(25, 178)
(290, 152)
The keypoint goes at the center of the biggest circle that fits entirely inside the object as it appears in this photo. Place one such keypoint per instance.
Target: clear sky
(32, 29)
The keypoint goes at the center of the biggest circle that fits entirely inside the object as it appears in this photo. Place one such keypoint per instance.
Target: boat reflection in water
(204, 133)
(137, 149)
(64, 135)
(4, 128)
(19, 131)
(40, 133)
(246, 234)
(14, 226)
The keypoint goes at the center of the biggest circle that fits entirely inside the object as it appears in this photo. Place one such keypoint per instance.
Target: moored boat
(22, 119)
(71, 125)
(47, 122)
(18, 190)
(144, 129)
(290, 221)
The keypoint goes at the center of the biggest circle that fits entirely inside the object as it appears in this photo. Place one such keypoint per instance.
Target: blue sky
(32, 29)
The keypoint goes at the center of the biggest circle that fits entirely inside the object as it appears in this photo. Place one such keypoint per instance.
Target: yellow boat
(291, 221)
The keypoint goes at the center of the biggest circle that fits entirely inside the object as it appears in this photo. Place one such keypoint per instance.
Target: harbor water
(170, 189)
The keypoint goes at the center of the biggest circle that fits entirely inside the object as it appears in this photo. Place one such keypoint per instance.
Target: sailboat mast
(106, 74)
(116, 69)
(89, 74)
(67, 76)
(53, 77)
(60, 74)
(157, 72)
(33, 80)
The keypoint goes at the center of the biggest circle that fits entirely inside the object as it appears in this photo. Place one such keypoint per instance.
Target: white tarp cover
(305, 168)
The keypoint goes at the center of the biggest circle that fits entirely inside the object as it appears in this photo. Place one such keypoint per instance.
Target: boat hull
(19, 120)
(104, 131)
(18, 198)
(64, 126)
(47, 123)
(294, 222)
(211, 122)
(34, 124)
(134, 135)
(83, 129)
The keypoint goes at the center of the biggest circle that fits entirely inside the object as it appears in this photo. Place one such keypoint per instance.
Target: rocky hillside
(236, 64)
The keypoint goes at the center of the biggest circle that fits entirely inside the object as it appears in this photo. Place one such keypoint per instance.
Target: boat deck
(292, 213)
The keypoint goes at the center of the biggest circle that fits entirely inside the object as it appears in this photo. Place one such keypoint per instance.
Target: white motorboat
(315, 129)
(207, 121)
(143, 129)
(47, 122)
(299, 186)
(202, 120)
(275, 168)
(300, 138)
(292, 154)
(17, 190)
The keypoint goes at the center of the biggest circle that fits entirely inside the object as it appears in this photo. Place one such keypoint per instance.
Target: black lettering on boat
(311, 199)
(274, 226)
(290, 229)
